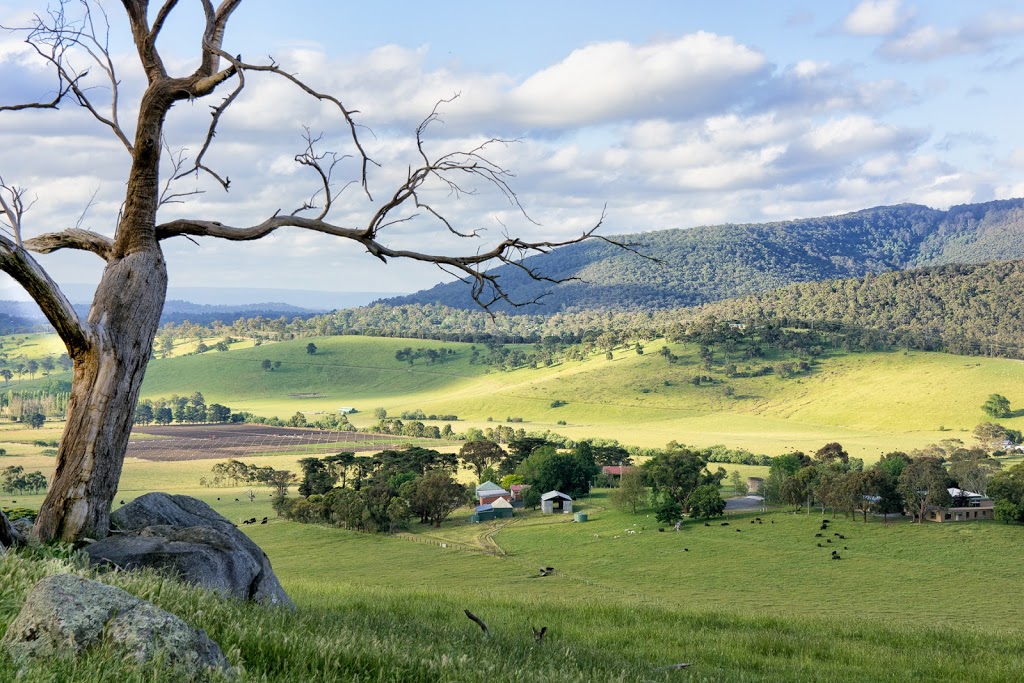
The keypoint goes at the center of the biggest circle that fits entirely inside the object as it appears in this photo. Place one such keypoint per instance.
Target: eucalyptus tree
(112, 345)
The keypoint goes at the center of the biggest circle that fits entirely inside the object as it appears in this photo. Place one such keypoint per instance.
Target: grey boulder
(187, 537)
(9, 536)
(66, 614)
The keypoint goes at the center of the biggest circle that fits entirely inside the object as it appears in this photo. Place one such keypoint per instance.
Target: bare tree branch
(17, 263)
(12, 208)
(240, 67)
(72, 238)
(56, 38)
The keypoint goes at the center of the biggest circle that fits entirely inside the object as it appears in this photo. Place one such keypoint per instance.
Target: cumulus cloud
(876, 18)
(696, 74)
(929, 42)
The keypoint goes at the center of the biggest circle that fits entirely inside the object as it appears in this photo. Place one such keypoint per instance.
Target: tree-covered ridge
(965, 309)
(704, 264)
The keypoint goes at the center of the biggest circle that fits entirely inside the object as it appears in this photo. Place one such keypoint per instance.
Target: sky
(655, 115)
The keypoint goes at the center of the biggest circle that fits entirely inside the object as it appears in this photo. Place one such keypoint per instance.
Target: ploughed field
(169, 443)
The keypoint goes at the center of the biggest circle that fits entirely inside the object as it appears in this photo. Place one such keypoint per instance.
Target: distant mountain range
(199, 305)
(705, 264)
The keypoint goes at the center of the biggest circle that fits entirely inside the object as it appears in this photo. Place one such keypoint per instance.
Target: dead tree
(112, 345)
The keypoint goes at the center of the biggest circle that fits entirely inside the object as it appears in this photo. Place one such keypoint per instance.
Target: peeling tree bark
(107, 378)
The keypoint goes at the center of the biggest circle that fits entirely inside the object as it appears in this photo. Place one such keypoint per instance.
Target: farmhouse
(517, 492)
(971, 506)
(488, 492)
(555, 500)
(616, 470)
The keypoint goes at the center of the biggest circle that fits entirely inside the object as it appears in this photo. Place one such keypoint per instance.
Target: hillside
(870, 402)
(964, 309)
(711, 263)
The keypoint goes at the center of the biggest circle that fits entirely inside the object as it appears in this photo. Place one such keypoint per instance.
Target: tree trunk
(107, 378)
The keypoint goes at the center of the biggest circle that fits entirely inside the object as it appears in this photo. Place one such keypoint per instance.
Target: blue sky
(673, 114)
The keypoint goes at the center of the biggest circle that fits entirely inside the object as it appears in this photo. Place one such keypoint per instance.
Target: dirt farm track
(220, 442)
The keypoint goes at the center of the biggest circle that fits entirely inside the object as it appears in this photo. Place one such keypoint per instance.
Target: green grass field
(872, 403)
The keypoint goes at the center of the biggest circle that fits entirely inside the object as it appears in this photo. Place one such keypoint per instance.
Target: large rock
(65, 615)
(9, 536)
(187, 536)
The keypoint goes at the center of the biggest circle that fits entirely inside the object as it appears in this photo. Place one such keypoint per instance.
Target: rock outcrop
(66, 614)
(188, 537)
(9, 536)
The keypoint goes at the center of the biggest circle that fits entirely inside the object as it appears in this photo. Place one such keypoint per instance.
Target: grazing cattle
(819, 545)
(773, 521)
(725, 523)
(824, 527)
(686, 550)
(739, 530)
(661, 529)
(845, 548)
(817, 535)
(828, 540)
(120, 503)
(236, 500)
(245, 521)
(826, 521)
(218, 497)
(836, 557)
(264, 521)
(751, 521)
(836, 533)
(706, 524)
(842, 537)
(757, 518)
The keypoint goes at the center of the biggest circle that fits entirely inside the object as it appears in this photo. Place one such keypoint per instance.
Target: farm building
(616, 471)
(488, 492)
(484, 513)
(555, 500)
(973, 506)
(502, 508)
(347, 410)
(517, 492)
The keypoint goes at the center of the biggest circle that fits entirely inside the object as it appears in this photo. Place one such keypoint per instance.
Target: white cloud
(930, 42)
(614, 81)
(875, 18)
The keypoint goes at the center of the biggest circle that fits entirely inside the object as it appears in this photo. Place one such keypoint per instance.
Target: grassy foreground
(412, 634)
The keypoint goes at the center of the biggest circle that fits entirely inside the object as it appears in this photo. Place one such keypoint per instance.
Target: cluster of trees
(677, 481)
(183, 409)
(379, 493)
(408, 355)
(49, 401)
(21, 365)
(14, 479)
(897, 482)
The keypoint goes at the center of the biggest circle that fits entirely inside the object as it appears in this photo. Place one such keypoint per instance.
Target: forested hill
(705, 264)
(965, 309)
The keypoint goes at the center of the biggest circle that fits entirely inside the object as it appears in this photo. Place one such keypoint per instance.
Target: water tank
(579, 517)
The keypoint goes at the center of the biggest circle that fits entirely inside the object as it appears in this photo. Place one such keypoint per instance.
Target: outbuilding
(502, 508)
(488, 492)
(555, 500)
(484, 513)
